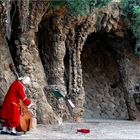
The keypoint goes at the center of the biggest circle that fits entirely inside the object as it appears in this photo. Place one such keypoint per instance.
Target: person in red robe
(10, 111)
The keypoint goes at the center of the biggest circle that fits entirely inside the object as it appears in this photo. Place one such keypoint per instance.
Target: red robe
(11, 108)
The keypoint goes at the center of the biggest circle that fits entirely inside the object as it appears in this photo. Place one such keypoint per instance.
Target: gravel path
(99, 129)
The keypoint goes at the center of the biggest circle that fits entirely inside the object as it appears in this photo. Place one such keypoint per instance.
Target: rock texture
(88, 59)
(6, 76)
(101, 79)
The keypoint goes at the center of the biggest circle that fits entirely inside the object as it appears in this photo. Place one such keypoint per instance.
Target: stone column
(80, 90)
(76, 91)
(29, 60)
(30, 64)
(55, 74)
(130, 75)
(130, 80)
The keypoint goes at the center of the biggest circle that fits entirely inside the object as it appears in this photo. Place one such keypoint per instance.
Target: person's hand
(31, 108)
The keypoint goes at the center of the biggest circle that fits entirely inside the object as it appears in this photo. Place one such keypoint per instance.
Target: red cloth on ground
(83, 130)
(11, 108)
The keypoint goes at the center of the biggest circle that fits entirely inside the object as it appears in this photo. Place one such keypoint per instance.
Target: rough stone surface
(6, 75)
(50, 48)
(104, 95)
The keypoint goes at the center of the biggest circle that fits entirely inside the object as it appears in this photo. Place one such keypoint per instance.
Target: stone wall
(129, 69)
(104, 96)
(21, 39)
(50, 48)
(6, 75)
(111, 100)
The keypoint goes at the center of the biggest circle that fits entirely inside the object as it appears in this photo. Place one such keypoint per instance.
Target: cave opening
(104, 96)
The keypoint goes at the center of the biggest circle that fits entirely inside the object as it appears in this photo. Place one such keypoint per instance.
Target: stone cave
(104, 97)
(88, 63)
(89, 59)
(83, 59)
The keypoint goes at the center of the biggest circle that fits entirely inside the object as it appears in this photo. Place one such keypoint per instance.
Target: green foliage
(132, 12)
(79, 7)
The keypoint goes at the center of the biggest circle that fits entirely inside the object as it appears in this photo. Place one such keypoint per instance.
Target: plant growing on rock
(84, 7)
(79, 7)
(132, 13)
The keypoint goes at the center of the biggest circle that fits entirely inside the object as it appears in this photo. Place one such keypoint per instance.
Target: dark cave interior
(104, 97)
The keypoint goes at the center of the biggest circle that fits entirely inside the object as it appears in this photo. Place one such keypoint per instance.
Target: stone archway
(72, 34)
(104, 96)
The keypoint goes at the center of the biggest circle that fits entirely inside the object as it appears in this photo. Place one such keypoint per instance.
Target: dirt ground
(99, 129)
